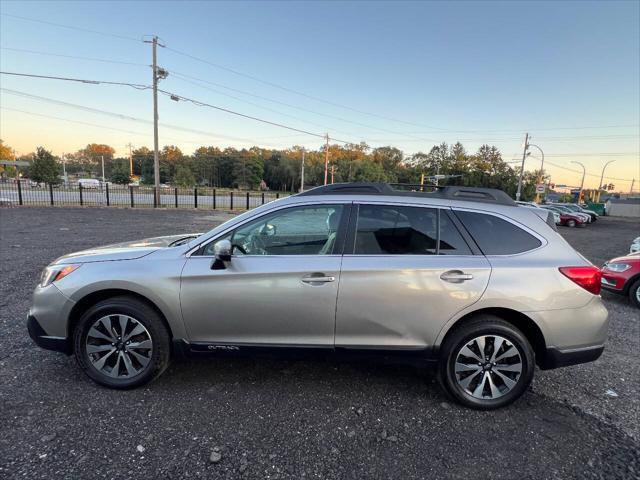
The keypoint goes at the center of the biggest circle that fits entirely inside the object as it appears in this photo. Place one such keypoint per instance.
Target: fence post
(277, 195)
(106, 190)
(176, 195)
(131, 192)
(247, 200)
(51, 193)
(195, 197)
(262, 198)
(80, 190)
(214, 198)
(155, 197)
(19, 192)
(231, 200)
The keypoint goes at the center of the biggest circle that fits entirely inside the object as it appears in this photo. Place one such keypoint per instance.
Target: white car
(89, 183)
(556, 215)
(635, 246)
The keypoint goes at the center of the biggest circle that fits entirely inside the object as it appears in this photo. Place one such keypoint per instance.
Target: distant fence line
(23, 193)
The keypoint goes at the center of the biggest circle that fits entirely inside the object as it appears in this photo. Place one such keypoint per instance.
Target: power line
(127, 117)
(72, 27)
(290, 90)
(92, 59)
(198, 103)
(79, 80)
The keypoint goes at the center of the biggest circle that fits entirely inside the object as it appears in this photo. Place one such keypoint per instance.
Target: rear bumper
(556, 358)
(40, 337)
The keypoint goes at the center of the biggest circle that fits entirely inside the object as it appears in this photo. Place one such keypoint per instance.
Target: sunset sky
(409, 75)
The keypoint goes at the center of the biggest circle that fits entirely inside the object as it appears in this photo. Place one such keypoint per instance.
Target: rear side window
(396, 230)
(496, 236)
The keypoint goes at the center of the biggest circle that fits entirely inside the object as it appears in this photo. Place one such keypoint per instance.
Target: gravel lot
(286, 419)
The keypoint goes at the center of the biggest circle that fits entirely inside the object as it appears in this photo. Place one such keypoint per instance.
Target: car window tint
(451, 242)
(292, 231)
(383, 229)
(496, 236)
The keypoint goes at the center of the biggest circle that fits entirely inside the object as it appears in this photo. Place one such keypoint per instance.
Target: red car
(622, 275)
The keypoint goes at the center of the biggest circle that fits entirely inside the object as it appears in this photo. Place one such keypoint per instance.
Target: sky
(410, 75)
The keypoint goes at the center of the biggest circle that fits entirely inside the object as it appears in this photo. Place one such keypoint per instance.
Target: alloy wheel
(488, 367)
(119, 346)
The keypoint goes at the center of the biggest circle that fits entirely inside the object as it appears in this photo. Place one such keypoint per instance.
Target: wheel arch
(628, 283)
(92, 298)
(519, 320)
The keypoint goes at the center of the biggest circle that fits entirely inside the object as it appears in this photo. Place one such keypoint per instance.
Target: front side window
(293, 231)
(496, 236)
(398, 230)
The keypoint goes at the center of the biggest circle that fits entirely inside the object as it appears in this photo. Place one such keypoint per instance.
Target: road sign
(540, 188)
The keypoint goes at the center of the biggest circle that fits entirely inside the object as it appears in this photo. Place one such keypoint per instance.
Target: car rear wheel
(634, 293)
(486, 363)
(122, 343)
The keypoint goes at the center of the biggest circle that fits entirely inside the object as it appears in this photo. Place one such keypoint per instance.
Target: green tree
(44, 168)
(184, 177)
(120, 172)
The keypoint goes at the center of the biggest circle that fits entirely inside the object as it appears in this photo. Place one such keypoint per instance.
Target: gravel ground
(245, 418)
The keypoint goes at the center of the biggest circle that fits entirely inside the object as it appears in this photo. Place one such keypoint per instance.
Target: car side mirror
(222, 252)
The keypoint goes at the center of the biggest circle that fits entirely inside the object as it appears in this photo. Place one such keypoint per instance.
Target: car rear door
(406, 271)
(280, 287)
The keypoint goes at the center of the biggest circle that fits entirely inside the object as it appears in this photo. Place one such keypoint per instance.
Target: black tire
(143, 314)
(634, 295)
(571, 223)
(461, 336)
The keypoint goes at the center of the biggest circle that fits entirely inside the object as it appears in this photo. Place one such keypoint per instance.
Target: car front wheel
(122, 343)
(634, 293)
(486, 363)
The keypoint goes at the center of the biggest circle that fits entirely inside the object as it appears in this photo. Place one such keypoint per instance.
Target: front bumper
(40, 337)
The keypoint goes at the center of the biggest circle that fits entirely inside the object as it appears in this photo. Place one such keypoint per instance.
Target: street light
(602, 177)
(541, 169)
(584, 172)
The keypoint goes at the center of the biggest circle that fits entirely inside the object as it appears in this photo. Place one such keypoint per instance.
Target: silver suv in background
(460, 278)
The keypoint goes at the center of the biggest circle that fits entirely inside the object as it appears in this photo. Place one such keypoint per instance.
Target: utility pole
(102, 160)
(602, 177)
(158, 74)
(302, 173)
(524, 156)
(130, 159)
(64, 170)
(633, 182)
(584, 172)
(326, 159)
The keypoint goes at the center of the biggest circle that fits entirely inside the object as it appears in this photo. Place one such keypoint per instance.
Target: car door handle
(455, 276)
(317, 278)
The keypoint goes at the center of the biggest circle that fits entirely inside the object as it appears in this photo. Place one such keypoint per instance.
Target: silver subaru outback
(459, 278)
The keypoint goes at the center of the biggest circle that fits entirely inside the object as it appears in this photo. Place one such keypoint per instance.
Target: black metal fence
(27, 193)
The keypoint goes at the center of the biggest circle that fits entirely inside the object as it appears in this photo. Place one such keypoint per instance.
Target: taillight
(587, 277)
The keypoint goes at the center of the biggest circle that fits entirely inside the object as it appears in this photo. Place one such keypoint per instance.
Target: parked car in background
(89, 183)
(621, 275)
(442, 277)
(578, 209)
(566, 219)
(586, 218)
(556, 216)
(635, 245)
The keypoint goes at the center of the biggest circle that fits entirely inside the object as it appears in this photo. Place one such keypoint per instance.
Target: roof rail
(473, 194)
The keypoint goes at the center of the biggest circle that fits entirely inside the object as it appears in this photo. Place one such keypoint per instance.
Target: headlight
(56, 272)
(617, 267)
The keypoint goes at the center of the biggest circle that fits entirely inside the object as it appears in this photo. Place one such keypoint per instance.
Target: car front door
(280, 287)
(405, 272)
